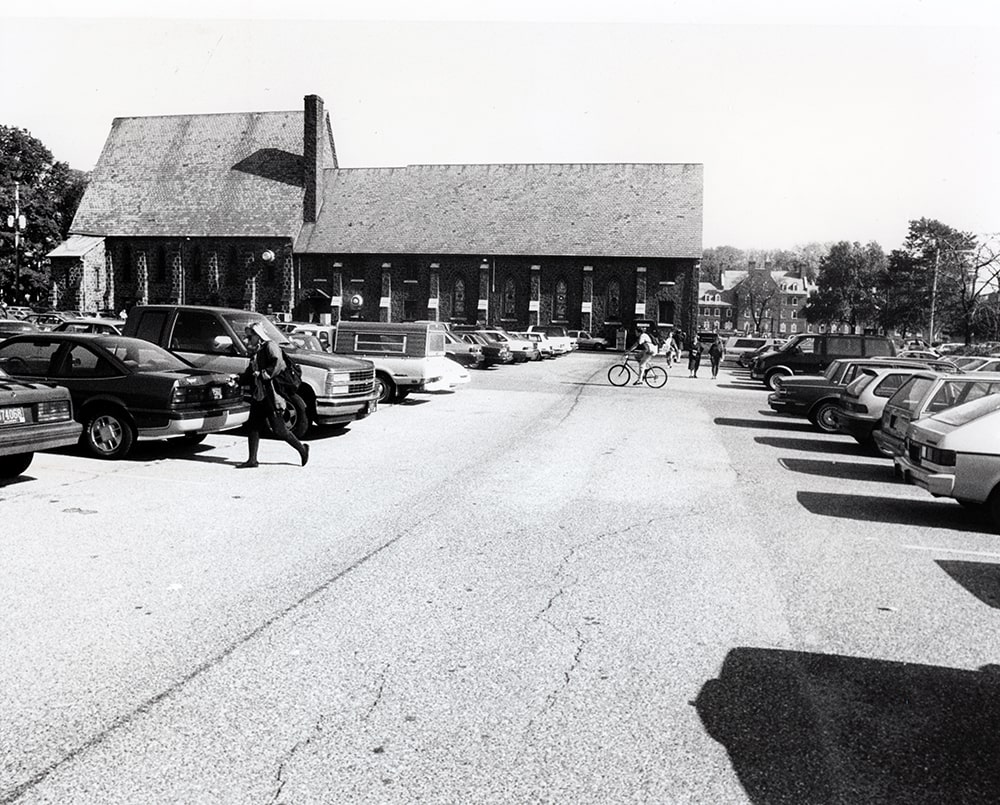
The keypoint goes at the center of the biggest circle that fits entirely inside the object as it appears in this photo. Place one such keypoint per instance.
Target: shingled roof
(223, 175)
(612, 210)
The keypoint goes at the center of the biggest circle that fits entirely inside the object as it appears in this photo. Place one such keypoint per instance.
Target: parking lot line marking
(952, 550)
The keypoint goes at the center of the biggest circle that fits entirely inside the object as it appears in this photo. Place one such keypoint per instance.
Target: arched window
(458, 298)
(509, 299)
(614, 301)
(559, 305)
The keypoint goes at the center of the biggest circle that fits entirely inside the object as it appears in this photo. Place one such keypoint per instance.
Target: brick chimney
(312, 156)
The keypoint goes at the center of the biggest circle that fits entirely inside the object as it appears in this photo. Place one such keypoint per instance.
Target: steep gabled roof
(237, 174)
(613, 210)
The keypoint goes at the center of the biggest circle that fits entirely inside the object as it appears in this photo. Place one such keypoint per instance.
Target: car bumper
(784, 405)
(338, 411)
(888, 443)
(861, 428)
(211, 422)
(36, 437)
(939, 484)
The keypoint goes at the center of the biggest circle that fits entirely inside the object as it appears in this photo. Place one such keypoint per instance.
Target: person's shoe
(637, 383)
(304, 455)
(246, 465)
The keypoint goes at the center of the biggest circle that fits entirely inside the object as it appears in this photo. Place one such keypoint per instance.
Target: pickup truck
(562, 344)
(335, 390)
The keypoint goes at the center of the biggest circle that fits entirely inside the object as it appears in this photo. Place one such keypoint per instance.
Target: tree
(848, 286)
(718, 259)
(49, 192)
(936, 281)
(754, 297)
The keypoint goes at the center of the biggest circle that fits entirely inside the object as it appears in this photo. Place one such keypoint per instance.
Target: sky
(815, 121)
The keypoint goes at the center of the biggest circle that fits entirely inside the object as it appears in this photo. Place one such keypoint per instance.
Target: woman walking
(715, 353)
(266, 405)
(694, 356)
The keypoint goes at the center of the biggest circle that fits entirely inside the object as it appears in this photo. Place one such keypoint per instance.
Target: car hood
(327, 360)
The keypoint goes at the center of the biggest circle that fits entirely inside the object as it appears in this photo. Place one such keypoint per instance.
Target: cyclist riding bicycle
(647, 349)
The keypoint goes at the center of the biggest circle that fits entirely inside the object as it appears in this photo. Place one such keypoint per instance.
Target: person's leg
(253, 438)
(281, 430)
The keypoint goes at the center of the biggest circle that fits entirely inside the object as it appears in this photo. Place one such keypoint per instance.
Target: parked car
(990, 365)
(585, 340)
(956, 454)
(925, 394)
(9, 327)
(90, 325)
(124, 389)
(923, 354)
(335, 390)
(520, 350)
(810, 353)
(408, 357)
(970, 363)
(453, 376)
(33, 417)
(562, 344)
(324, 333)
(740, 345)
(494, 352)
(305, 341)
(47, 321)
(541, 341)
(859, 411)
(817, 397)
(462, 352)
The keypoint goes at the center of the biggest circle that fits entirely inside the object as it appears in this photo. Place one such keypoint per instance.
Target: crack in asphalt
(147, 706)
(378, 691)
(302, 744)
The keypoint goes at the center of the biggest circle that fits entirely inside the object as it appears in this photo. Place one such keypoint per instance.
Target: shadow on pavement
(904, 511)
(810, 445)
(764, 423)
(825, 728)
(982, 579)
(750, 386)
(841, 469)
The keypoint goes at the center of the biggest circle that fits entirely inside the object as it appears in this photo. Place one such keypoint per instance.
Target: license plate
(12, 416)
(216, 393)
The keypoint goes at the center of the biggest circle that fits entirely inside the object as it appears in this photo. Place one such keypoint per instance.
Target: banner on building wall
(586, 307)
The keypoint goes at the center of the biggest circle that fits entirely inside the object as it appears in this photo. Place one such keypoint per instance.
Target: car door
(87, 374)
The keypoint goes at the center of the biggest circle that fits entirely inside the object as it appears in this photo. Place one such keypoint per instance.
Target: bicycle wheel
(656, 377)
(619, 374)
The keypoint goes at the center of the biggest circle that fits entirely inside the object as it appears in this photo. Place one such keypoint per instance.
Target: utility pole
(17, 223)
(937, 258)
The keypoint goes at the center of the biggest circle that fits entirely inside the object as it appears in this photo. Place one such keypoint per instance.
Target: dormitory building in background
(251, 210)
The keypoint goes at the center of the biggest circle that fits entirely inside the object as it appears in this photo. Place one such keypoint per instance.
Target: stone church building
(251, 210)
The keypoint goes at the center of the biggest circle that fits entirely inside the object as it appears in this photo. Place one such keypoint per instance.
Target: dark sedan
(493, 351)
(32, 417)
(817, 397)
(124, 389)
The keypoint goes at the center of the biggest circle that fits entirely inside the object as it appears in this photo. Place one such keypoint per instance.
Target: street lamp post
(17, 222)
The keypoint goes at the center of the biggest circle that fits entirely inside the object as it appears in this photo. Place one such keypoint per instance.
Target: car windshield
(961, 414)
(240, 321)
(142, 355)
(552, 330)
(910, 393)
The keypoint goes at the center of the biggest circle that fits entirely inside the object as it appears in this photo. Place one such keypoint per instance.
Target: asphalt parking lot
(539, 588)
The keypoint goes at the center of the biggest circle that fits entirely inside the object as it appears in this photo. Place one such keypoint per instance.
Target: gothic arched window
(458, 298)
(559, 305)
(614, 301)
(509, 299)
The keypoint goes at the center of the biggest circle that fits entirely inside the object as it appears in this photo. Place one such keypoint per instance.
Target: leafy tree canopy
(49, 192)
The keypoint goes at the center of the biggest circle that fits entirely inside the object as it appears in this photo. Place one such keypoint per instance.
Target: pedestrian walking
(266, 404)
(694, 356)
(676, 345)
(715, 353)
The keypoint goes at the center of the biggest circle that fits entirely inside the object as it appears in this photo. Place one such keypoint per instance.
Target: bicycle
(624, 372)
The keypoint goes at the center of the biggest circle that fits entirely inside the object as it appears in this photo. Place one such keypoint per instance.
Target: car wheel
(296, 416)
(108, 434)
(773, 379)
(386, 389)
(824, 417)
(12, 466)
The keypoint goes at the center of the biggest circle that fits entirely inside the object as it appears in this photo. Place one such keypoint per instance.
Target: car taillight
(185, 392)
(943, 458)
(857, 408)
(52, 411)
